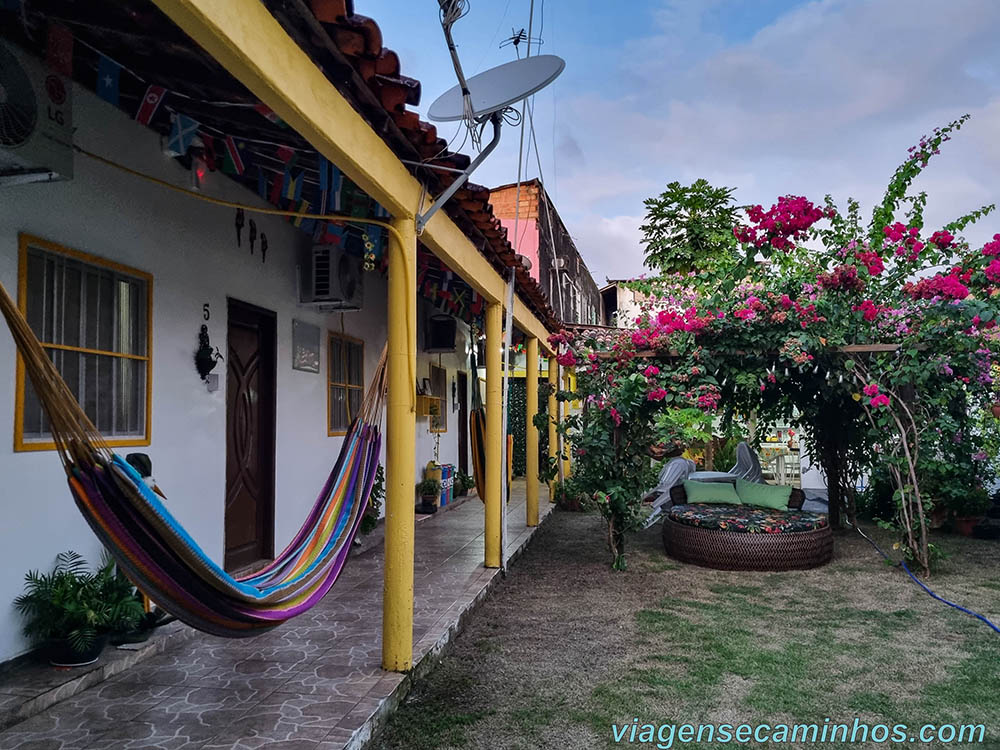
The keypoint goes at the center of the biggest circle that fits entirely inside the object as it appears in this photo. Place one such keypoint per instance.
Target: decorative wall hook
(263, 248)
(240, 217)
(205, 359)
(253, 234)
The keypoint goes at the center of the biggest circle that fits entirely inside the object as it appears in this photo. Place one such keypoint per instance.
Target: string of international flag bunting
(284, 178)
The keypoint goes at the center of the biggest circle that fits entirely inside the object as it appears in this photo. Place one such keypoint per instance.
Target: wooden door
(463, 422)
(250, 404)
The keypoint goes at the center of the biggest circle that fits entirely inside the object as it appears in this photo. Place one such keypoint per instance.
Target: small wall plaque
(305, 346)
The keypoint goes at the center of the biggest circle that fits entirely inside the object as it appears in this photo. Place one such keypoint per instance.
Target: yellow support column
(553, 420)
(531, 440)
(397, 594)
(569, 384)
(495, 434)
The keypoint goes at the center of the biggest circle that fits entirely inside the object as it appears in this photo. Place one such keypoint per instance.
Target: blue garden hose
(924, 586)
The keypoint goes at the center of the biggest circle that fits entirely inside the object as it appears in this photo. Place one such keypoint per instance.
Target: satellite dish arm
(497, 119)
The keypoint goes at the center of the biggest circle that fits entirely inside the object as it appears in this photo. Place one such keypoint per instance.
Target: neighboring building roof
(348, 48)
(540, 186)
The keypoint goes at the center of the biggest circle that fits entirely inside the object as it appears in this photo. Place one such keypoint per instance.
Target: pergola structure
(250, 43)
(293, 65)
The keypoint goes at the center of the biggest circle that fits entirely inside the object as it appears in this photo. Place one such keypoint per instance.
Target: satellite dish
(489, 94)
(498, 88)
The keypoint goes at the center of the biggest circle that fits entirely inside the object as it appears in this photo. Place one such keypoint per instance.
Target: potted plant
(429, 491)
(369, 521)
(71, 611)
(464, 483)
(969, 509)
(568, 496)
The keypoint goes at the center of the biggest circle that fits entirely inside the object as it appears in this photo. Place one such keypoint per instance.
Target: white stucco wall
(190, 249)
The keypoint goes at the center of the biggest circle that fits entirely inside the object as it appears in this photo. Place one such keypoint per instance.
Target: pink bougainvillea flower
(895, 232)
(992, 248)
(657, 394)
(869, 309)
(782, 224)
(943, 239)
(871, 389)
(992, 271)
(615, 416)
(567, 359)
(948, 286)
(872, 261)
(842, 278)
(879, 401)
(651, 371)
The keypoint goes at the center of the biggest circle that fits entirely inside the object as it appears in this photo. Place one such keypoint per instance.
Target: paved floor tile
(308, 685)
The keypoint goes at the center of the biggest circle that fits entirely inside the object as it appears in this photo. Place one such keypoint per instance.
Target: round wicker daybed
(742, 537)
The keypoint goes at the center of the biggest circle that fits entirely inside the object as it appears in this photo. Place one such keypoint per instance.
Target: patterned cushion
(747, 518)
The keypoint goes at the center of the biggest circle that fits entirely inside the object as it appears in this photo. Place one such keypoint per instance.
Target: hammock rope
(151, 546)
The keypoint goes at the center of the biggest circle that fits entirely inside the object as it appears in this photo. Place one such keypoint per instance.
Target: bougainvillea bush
(879, 337)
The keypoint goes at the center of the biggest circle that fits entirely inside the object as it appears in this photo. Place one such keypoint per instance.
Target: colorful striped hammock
(156, 552)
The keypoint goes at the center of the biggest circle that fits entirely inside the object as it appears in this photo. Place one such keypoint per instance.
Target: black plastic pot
(428, 505)
(60, 654)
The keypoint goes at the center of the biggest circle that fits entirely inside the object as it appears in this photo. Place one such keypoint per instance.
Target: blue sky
(770, 97)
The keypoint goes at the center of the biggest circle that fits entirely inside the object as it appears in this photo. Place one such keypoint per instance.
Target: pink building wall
(527, 244)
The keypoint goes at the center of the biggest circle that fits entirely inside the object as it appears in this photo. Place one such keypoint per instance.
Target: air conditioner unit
(331, 279)
(36, 120)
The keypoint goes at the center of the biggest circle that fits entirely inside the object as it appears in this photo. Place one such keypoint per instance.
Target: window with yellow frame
(346, 375)
(94, 318)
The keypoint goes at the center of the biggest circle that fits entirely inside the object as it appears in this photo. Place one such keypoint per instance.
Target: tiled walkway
(314, 683)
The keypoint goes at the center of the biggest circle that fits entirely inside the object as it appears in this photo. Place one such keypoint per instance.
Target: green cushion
(710, 492)
(763, 495)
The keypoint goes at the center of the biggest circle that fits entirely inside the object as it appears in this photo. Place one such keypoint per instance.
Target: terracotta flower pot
(996, 410)
(965, 524)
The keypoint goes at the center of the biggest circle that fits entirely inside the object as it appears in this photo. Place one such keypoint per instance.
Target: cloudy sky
(771, 97)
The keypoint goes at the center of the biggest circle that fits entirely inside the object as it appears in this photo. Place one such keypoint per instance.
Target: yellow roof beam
(248, 42)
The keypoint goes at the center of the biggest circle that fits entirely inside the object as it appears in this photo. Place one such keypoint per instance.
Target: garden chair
(673, 473)
(747, 467)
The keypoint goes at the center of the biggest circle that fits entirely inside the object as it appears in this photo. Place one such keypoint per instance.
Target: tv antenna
(517, 38)
(486, 97)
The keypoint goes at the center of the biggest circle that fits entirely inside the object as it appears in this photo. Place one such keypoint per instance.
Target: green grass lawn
(566, 648)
